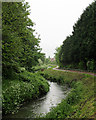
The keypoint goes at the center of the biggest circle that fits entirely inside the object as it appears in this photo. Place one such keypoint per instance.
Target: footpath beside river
(89, 73)
(80, 101)
(77, 103)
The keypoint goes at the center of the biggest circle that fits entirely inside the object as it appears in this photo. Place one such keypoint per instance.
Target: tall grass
(80, 102)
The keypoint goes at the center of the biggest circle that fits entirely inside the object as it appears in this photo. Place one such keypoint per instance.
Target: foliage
(61, 77)
(20, 47)
(57, 56)
(81, 65)
(91, 65)
(65, 107)
(50, 61)
(79, 102)
(15, 92)
(79, 48)
(41, 67)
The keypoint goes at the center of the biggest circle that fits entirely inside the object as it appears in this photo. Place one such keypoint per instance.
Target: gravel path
(94, 74)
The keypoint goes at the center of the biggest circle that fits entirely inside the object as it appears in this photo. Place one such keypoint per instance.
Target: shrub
(15, 92)
(81, 65)
(91, 65)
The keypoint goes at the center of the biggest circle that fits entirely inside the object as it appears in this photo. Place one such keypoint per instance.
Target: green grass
(15, 92)
(80, 102)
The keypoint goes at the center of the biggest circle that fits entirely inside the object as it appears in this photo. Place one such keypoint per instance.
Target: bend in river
(43, 105)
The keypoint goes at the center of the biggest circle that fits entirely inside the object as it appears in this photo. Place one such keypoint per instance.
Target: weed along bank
(49, 94)
(80, 101)
(41, 106)
(32, 85)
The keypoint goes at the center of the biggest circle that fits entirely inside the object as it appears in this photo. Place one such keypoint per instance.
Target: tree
(80, 47)
(20, 47)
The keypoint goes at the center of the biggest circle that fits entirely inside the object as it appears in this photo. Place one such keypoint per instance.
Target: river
(43, 105)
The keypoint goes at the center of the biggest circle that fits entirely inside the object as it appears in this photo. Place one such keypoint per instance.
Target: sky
(54, 20)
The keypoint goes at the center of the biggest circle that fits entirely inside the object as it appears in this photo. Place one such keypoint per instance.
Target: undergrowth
(29, 86)
(80, 101)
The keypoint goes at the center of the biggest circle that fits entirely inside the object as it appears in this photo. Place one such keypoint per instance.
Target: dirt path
(94, 74)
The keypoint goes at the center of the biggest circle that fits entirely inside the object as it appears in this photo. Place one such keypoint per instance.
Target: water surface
(43, 105)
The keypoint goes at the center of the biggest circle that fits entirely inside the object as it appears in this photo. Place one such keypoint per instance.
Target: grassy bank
(80, 102)
(29, 86)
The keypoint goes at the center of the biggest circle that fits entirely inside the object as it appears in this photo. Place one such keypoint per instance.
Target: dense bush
(15, 92)
(42, 67)
(91, 65)
(37, 68)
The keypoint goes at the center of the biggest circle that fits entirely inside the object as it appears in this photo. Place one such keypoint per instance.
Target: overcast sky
(54, 20)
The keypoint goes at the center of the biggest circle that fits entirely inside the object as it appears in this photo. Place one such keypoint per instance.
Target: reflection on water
(43, 104)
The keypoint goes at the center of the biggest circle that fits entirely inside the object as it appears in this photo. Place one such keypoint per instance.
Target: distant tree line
(79, 49)
(20, 47)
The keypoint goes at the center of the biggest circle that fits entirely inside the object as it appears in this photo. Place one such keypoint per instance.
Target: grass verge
(80, 103)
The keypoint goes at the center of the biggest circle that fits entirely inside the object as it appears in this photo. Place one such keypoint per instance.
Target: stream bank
(80, 102)
(28, 86)
(42, 105)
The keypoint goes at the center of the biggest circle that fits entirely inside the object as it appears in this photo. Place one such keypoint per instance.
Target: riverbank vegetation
(80, 103)
(78, 49)
(22, 57)
(77, 53)
(20, 52)
(27, 87)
